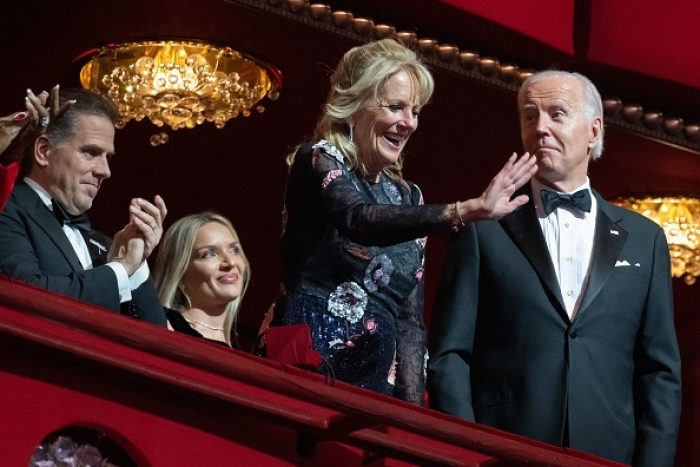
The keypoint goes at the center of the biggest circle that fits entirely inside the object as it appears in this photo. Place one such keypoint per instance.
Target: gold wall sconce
(180, 84)
(680, 218)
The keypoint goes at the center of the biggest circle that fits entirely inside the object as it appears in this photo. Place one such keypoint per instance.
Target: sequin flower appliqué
(378, 273)
(348, 301)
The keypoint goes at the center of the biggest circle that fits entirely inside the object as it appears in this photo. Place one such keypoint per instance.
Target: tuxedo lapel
(607, 244)
(45, 219)
(525, 231)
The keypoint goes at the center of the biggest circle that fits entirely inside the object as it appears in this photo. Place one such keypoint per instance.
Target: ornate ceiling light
(680, 219)
(179, 83)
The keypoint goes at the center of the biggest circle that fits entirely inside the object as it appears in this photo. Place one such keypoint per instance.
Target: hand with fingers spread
(19, 129)
(45, 107)
(495, 202)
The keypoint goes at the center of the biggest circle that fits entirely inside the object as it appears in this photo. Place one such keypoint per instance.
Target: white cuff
(140, 276)
(123, 281)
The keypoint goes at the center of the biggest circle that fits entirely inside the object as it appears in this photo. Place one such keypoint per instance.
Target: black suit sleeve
(657, 383)
(34, 249)
(452, 328)
(28, 253)
(145, 304)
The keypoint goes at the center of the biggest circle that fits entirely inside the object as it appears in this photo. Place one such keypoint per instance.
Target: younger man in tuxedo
(45, 238)
(556, 322)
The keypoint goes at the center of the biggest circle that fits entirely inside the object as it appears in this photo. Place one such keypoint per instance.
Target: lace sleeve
(366, 222)
(410, 348)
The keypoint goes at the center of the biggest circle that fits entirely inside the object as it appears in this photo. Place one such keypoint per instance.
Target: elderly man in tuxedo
(45, 237)
(556, 322)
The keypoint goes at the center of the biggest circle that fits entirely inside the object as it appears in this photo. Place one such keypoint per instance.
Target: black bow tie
(79, 221)
(552, 200)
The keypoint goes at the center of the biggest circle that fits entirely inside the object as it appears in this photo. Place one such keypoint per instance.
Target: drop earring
(351, 132)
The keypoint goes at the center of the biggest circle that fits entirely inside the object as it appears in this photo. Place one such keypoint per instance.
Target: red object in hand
(291, 345)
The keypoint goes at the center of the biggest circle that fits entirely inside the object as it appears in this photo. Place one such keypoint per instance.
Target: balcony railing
(172, 400)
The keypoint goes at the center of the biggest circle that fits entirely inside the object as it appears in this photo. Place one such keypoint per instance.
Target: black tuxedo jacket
(503, 351)
(34, 249)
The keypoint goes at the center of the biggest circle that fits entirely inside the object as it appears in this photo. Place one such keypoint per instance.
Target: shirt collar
(43, 194)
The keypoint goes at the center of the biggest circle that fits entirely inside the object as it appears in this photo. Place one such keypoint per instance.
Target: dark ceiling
(465, 134)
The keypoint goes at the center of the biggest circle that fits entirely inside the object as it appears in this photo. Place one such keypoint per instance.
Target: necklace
(204, 325)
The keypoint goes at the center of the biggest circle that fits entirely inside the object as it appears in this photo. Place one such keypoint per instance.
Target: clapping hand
(128, 249)
(136, 241)
(148, 218)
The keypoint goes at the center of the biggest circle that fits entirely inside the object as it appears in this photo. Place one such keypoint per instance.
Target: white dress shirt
(126, 284)
(569, 234)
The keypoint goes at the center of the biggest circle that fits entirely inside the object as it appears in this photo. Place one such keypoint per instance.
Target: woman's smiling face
(382, 129)
(215, 274)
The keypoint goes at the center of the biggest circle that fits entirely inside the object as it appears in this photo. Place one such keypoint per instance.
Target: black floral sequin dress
(352, 260)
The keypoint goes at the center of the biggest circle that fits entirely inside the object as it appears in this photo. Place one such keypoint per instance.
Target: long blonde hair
(174, 257)
(359, 81)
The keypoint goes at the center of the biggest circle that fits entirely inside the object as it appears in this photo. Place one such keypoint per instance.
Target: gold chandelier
(179, 83)
(680, 219)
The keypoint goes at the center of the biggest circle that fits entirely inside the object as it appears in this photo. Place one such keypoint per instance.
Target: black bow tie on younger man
(80, 221)
(552, 200)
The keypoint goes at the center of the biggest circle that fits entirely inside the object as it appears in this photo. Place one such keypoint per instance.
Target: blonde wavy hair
(359, 81)
(174, 257)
